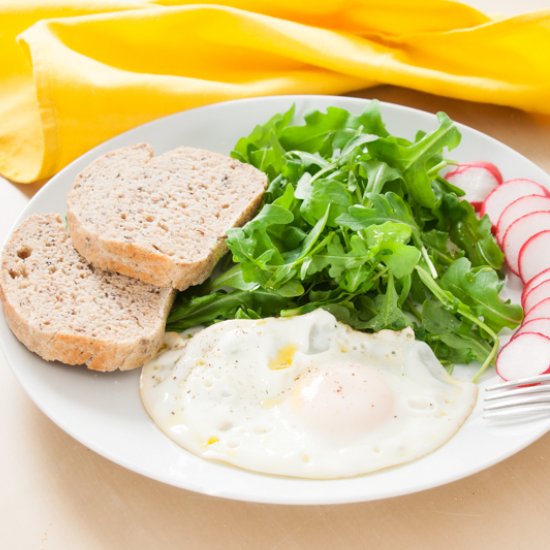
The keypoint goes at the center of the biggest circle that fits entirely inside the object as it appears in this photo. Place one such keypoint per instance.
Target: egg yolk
(342, 401)
(284, 357)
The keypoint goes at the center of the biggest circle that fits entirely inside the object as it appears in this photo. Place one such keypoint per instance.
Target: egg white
(304, 396)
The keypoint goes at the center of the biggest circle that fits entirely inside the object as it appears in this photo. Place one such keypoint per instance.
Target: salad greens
(359, 222)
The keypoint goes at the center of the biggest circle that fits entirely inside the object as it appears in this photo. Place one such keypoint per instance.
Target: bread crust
(28, 295)
(190, 259)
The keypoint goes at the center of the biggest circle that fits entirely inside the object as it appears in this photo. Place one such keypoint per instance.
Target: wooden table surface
(57, 494)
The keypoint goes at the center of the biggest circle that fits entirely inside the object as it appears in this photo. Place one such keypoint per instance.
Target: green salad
(359, 222)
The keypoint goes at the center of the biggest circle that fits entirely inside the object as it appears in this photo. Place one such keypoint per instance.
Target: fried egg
(304, 396)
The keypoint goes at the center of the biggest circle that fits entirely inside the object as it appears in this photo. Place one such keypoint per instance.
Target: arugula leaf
(389, 314)
(388, 241)
(386, 207)
(452, 336)
(317, 134)
(359, 222)
(479, 288)
(469, 233)
(378, 173)
(262, 148)
(349, 266)
(416, 159)
(325, 192)
(197, 310)
(438, 320)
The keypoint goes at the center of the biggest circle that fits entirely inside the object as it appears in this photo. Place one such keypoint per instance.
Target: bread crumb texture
(63, 309)
(162, 219)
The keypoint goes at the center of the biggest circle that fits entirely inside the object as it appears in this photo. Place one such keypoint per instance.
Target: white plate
(104, 412)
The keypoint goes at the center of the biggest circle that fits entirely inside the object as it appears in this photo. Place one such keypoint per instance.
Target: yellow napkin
(74, 73)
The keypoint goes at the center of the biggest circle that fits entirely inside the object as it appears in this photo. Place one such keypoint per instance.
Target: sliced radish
(520, 207)
(507, 193)
(535, 281)
(487, 166)
(519, 233)
(540, 311)
(541, 326)
(536, 295)
(534, 255)
(477, 179)
(528, 354)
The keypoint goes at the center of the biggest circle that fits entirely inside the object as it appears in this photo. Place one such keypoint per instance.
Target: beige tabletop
(57, 494)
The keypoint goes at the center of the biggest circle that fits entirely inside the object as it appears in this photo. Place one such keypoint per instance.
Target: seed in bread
(161, 219)
(62, 309)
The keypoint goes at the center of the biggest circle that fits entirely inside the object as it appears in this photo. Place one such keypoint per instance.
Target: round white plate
(104, 412)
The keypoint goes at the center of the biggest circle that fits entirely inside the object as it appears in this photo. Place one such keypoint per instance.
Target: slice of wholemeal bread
(161, 219)
(63, 309)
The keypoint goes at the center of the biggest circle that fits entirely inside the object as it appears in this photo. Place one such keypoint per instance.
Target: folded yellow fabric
(74, 73)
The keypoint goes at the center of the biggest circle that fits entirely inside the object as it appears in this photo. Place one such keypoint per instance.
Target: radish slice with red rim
(508, 192)
(528, 354)
(540, 326)
(534, 255)
(476, 179)
(518, 208)
(544, 275)
(541, 310)
(536, 295)
(487, 166)
(519, 233)
(535, 281)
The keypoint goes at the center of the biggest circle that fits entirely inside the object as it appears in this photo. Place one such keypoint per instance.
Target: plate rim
(420, 485)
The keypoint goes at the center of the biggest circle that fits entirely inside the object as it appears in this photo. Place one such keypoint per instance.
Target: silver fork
(524, 397)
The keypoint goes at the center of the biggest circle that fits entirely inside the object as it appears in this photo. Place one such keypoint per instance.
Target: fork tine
(520, 382)
(541, 388)
(532, 409)
(517, 401)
